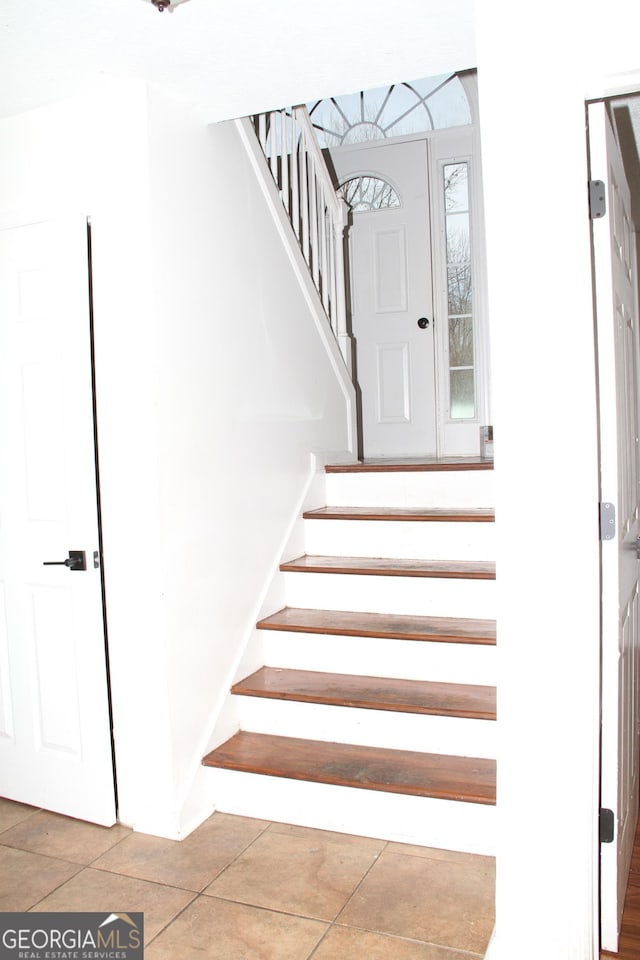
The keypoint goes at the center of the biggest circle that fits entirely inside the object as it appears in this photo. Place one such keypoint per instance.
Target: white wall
(246, 391)
(213, 387)
(536, 65)
(89, 155)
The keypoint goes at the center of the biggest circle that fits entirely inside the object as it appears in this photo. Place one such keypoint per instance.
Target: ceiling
(227, 58)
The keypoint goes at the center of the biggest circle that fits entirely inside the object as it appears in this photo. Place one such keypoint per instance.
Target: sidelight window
(462, 385)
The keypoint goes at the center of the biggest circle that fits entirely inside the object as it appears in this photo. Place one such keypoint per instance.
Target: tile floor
(243, 889)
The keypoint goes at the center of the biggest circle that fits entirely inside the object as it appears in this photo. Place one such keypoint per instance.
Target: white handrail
(318, 216)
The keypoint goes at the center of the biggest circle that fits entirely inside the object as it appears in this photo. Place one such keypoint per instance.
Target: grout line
(269, 823)
(359, 884)
(265, 909)
(45, 856)
(58, 887)
(173, 886)
(193, 899)
(18, 823)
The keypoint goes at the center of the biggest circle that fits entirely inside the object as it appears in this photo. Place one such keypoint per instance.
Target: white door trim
(616, 308)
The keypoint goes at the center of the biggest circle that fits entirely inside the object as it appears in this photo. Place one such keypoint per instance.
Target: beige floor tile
(449, 904)
(212, 929)
(344, 943)
(25, 878)
(191, 863)
(56, 836)
(95, 891)
(435, 853)
(12, 813)
(308, 874)
(367, 844)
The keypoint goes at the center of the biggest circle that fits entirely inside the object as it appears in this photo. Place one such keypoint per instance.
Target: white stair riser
(414, 596)
(456, 736)
(378, 657)
(449, 825)
(400, 539)
(453, 488)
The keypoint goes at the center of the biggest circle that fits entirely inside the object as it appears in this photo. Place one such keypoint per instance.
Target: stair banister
(317, 214)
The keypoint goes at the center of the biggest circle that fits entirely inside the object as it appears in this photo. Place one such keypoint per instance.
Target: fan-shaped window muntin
(401, 109)
(366, 193)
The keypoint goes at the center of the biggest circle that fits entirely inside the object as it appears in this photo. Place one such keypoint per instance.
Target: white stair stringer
(426, 821)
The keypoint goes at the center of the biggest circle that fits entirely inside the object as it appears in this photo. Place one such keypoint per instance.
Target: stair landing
(410, 464)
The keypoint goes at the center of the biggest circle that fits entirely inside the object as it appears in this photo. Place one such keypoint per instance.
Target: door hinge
(607, 521)
(607, 825)
(597, 199)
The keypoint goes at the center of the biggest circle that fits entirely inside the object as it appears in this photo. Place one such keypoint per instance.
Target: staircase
(374, 713)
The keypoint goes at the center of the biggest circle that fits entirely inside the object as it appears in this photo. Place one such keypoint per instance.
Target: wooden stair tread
(411, 465)
(382, 625)
(375, 693)
(383, 567)
(466, 779)
(426, 514)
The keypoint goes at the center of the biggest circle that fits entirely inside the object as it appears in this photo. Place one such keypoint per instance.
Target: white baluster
(262, 132)
(284, 153)
(295, 175)
(304, 196)
(332, 289)
(273, 137)
(324, 258)
(313, 222)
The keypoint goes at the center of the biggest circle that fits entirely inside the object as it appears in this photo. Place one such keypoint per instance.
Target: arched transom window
(398, 110)
(368, 193)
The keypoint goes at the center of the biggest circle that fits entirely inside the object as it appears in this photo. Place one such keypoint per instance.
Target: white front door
(55, 731)
(391, 297)
(615, 271)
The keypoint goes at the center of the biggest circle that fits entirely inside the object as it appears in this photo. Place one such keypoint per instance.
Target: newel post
(342, 332)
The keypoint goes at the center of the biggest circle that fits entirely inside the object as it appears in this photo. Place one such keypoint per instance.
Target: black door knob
(423, 323)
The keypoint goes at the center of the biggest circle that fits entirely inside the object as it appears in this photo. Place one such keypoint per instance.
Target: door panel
(393, 386)
(55, 730)
(391, 288)
(390, 270)
(617, 342)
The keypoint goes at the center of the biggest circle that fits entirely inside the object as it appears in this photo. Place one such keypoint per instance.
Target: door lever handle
(77, 560)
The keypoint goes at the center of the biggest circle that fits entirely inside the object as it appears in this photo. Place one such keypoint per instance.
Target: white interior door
(617, 341)
(55, 731)
(391, 300)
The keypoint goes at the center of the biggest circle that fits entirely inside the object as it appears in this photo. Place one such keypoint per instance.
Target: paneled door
(615, 271)
(55, 730)
(391, 295)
